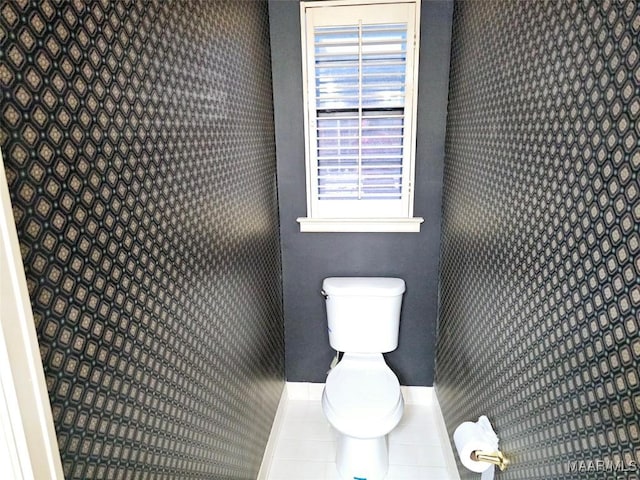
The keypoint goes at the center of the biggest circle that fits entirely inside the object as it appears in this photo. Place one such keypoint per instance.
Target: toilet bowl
(362, 399)
(363, 402)
(362, 396)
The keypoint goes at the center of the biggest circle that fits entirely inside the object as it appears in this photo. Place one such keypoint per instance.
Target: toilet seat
(362, 396)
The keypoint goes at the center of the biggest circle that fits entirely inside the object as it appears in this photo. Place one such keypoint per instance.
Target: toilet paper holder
(496, 458)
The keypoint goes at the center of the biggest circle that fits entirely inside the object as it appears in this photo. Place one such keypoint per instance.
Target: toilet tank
(363, 313)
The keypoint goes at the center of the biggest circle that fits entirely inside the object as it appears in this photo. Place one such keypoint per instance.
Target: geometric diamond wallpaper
(540, 270)
(139, 148)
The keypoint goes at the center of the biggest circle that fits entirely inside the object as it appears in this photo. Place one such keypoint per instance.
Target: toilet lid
(362, 390)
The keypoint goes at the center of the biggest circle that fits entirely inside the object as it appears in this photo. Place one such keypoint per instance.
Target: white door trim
(26, 423)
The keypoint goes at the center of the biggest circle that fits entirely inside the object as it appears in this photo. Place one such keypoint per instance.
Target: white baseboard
(417, 395)
(313, 392)
(305, 391)
(269, 451)
(444, 439)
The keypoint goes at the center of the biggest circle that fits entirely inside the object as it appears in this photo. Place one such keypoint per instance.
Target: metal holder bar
(496, 458)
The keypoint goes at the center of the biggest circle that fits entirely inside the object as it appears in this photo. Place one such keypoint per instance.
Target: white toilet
(362, 398)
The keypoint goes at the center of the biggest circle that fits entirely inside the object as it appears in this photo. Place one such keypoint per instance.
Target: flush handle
(324, 294)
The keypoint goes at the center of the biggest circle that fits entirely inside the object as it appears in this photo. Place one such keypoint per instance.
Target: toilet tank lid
(363, 286)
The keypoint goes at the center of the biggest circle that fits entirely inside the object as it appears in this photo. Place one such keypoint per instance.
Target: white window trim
(312, 223)
(407, 225)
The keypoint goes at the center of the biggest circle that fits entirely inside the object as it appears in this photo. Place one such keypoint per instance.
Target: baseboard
(305, 391)
(444, 438)
(269, 451)
(417, 395)
(308, 391)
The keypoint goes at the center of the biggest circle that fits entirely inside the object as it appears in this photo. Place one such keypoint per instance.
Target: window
(360, 86)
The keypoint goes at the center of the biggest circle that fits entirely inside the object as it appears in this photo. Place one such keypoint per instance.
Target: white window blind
(360, 108)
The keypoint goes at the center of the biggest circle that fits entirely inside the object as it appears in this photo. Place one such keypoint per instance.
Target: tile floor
(305, 445)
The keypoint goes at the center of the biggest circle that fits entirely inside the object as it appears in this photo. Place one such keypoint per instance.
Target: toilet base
(362, 458)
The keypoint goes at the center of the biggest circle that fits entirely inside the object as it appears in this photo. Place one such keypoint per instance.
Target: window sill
(360, 224)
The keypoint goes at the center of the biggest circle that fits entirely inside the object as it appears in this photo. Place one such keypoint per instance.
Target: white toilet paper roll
(468, 437)
(488, 474)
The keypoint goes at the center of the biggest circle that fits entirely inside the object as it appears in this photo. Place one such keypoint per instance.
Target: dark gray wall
(540, 293)
(139, 149)
(310, 257)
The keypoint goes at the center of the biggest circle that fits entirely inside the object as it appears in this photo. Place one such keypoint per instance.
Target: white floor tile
(416, 427)
(418, 415)
(416, 455)
(297, 429)
(331, 472)
(407, 472)
(305, 448)
(283, 469)
(306, 411)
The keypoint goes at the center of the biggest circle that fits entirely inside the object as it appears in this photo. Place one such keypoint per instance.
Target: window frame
(370, 220)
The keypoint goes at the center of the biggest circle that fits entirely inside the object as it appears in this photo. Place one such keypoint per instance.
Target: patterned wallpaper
(139, 147)
(540, 269)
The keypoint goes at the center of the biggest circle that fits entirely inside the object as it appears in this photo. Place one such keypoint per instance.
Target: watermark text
(598, 465)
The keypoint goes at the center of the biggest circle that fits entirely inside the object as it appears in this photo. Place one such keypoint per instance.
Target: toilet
(362, 399)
